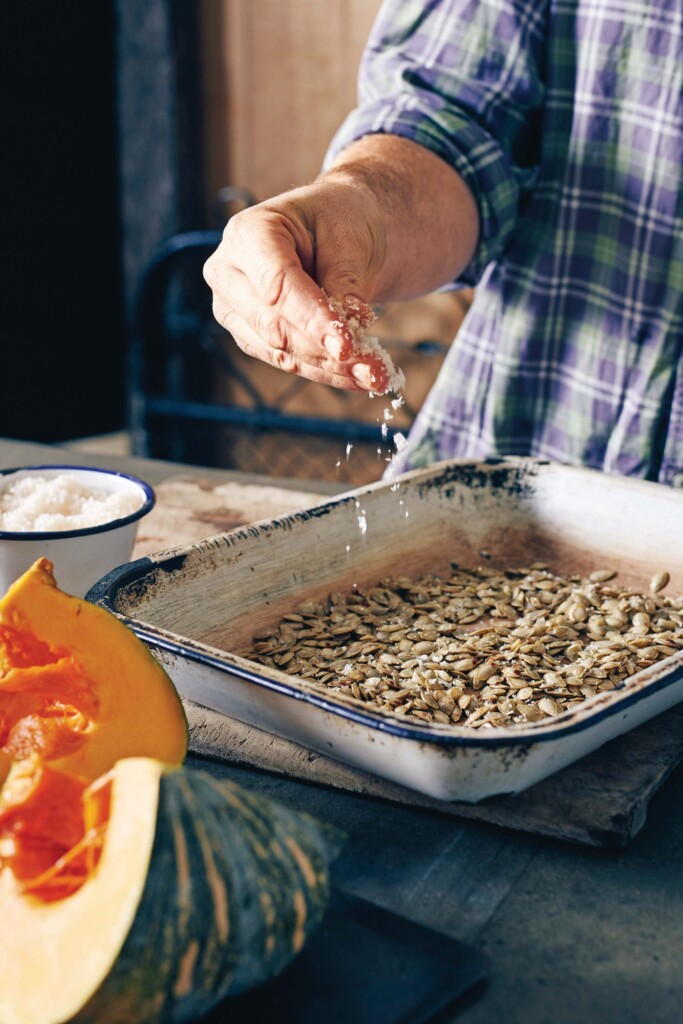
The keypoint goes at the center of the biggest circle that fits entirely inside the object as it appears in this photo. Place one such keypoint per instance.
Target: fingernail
(359, 310)
(333, 346)
(363, 374)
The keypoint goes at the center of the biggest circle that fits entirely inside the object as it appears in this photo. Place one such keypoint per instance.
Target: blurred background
(134, 130)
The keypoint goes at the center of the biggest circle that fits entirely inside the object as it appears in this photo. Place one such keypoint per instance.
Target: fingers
(269, 324)
(258, 273)
(317, 365)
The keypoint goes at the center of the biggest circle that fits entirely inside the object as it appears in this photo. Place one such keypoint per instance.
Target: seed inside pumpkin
(52, 827)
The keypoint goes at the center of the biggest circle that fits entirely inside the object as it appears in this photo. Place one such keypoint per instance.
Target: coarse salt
(39, 504)
(356, 320)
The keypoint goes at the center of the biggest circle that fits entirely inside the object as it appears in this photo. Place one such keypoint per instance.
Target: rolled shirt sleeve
(464, 79)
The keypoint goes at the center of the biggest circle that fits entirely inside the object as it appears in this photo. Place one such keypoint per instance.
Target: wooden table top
(572, 934)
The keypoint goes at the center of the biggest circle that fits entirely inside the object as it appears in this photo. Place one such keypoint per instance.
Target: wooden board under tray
(601, 800)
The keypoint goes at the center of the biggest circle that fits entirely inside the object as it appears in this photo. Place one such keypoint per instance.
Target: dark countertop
(572, 935)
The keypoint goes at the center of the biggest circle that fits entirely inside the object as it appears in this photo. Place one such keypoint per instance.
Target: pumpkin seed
(479, 647)
(659, 581)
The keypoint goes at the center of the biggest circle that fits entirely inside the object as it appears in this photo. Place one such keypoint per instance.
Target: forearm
(428, 215)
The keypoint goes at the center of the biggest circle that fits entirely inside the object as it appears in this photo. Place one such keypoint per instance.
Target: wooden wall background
(279, 78)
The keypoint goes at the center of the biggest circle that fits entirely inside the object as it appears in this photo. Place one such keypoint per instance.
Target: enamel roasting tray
(198, 606)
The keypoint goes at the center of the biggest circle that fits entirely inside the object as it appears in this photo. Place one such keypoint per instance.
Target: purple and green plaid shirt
(565, 118)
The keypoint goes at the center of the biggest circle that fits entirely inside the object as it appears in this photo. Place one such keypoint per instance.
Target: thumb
(342, 269)
(347, 296)
(352, 311)
(344, 285)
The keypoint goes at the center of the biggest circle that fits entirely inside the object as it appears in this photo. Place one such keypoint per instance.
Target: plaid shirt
(565, 118)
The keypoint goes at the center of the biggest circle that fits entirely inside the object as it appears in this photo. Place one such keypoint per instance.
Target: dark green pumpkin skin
(236, 886)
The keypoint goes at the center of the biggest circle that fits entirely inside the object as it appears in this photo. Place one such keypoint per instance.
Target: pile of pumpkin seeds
(478, 647)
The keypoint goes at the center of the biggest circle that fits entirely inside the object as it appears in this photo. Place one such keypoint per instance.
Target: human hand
(279, 264)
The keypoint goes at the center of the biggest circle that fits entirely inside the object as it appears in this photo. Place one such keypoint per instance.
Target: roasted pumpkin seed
(480, 647)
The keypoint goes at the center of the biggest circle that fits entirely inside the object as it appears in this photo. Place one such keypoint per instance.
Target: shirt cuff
(470, 151)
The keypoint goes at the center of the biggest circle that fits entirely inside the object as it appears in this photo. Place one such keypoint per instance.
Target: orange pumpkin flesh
(5, 765)
(63, 949)
(52, 827)
(77, 686)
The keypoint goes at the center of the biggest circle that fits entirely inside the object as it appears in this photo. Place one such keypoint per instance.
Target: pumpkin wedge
(199, 889)
(77, 686)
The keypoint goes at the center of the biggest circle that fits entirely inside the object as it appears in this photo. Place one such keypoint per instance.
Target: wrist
(428, 215)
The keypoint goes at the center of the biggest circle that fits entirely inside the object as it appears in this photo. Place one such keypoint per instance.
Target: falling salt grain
(362, 524)
(385, 430)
